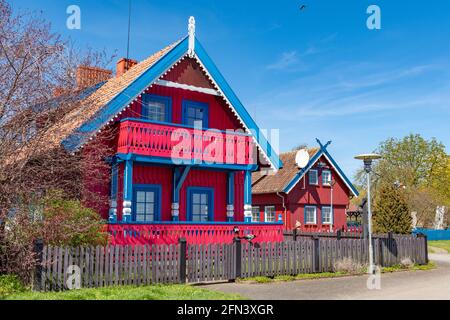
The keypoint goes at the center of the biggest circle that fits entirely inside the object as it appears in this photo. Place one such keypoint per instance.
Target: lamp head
(367, 158)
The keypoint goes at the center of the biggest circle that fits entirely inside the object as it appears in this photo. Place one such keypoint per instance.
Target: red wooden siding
(189, 72)
(304, 194)
(220, 116)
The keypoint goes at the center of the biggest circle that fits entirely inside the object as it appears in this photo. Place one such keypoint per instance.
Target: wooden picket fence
(182, 262)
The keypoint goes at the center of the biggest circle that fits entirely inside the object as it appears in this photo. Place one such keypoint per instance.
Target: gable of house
(290, 175)
(105, 105)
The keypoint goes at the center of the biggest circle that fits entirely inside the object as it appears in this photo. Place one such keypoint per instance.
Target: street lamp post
(367, 159)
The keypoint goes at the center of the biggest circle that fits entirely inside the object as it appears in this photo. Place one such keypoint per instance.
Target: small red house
(185, 149)
(313, 198)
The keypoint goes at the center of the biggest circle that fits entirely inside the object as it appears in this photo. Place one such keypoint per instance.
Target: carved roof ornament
(191, 33)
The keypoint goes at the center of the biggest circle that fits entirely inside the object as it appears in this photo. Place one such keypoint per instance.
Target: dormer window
(156, 108)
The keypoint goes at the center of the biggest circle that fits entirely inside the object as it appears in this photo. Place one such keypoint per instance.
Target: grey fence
(181, 263)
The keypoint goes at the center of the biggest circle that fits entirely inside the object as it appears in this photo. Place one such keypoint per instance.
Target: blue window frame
(326, 177)
(313, 178)
(156, 108)
(146, 203)
(327, 215)
(195, 111)
(310, 213)
(200, 204)
(114, 181)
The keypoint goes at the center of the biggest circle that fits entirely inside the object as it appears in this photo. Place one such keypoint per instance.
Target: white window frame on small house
(326, 182)
(274, 213)
(256, 210)
(331, 215)
(306, 214)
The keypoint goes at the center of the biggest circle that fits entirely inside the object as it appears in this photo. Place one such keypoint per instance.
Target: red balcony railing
(160, 233)
(178, 142)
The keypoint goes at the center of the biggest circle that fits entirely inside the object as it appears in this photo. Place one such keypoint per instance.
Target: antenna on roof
(129, 28)
(191, 33)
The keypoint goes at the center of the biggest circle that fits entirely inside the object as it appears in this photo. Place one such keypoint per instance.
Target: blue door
(200, 204)
(146, 203)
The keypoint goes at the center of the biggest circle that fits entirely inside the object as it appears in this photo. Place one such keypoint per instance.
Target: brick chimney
(123, 65)
(88, 76)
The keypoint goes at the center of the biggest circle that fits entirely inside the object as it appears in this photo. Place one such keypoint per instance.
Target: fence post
(316, 253)
(425, 243)
(380, 252)
(182, 261)
(38, 249)
(238, 250)
(294, 234)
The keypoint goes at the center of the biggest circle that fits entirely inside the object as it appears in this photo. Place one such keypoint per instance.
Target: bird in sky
(303, 7)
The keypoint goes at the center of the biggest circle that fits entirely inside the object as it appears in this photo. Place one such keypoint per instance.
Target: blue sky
(313, 73)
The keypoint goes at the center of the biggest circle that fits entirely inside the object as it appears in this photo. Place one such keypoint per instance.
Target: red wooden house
(314, 198)
(185, 149)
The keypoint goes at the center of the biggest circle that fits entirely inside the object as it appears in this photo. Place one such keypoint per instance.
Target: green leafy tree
(391, 211)
(418, 166)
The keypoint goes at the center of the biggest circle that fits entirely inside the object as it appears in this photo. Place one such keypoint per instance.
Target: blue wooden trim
(167, 101)
(192, 162)
(180, 125)
(304, 214)
(209, 191)
(230, 188)
(147, 187)
(128, 180)
(234, 100)
(197, 105)
(178, 181)
(126, 96)
(114, 181)
(248, 187)
(332, 214)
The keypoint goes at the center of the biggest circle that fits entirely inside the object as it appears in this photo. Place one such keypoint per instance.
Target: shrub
(69, 223)
(391, 211)
(10, 284)
(61, 222)
(348, 265)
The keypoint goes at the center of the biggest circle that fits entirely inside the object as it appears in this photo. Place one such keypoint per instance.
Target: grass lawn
(156, 292)
(442, 244)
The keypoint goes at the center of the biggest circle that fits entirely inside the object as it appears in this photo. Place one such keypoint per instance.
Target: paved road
(431, 284)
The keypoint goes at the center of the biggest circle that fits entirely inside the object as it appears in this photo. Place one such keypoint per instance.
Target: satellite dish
(302, 158)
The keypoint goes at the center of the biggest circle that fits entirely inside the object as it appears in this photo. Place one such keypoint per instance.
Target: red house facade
(314, 198)
(184, 150)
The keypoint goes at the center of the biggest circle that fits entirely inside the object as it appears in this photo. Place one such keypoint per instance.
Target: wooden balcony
(180, 142)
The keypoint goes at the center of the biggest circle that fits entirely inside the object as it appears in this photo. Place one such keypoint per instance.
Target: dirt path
(431, 284)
